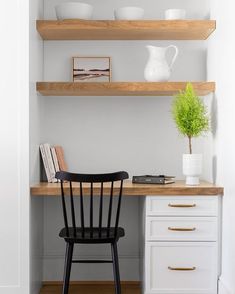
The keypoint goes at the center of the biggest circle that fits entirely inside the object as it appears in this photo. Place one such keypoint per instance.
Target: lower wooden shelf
(120, 88)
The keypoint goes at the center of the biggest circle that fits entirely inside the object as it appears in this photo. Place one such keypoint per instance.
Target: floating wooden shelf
(125, 30)
(129, 189)
(120, 88)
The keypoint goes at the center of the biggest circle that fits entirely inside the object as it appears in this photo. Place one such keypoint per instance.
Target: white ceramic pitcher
(157, 68)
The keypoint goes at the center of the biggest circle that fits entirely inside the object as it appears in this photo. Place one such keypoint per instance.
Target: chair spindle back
(89, 180)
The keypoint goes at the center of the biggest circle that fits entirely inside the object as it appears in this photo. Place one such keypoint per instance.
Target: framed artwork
(91, 69)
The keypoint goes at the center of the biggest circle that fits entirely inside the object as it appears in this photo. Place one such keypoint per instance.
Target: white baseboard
(53, 266)
(224, 288)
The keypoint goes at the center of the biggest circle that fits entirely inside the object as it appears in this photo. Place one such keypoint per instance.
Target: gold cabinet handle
(182, 268)
(182, 205)
(181, 229)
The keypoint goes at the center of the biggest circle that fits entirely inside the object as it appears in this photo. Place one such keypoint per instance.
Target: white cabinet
(181, 267)
(182, 205)
(181, 245)
(181, 229)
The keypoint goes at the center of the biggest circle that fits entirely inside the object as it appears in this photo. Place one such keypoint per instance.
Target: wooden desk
(129, 189)
(182, 223)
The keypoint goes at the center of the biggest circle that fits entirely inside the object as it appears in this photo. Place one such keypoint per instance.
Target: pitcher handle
(175, 56)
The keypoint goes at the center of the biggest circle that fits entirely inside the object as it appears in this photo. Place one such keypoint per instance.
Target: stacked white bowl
(74, 10)
(129, 13)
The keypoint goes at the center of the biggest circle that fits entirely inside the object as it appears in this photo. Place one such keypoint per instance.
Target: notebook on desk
(153, 179)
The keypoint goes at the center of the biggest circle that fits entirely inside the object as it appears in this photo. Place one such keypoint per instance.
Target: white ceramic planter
(129, 13)
(192, 168)
(73, 10)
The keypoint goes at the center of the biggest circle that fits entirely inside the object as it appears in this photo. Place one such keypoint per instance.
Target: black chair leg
(67, 267)
(116, 268)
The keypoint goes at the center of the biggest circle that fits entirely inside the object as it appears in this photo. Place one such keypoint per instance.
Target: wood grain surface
(125, 30)
(91, 288)
(120, 88)
(130, 189)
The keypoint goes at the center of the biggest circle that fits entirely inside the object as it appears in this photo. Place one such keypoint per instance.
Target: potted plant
(192, 120)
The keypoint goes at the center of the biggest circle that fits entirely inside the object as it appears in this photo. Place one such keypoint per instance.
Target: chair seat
(95, 238)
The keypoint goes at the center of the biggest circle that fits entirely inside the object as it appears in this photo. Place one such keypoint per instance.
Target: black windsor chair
(100, 233)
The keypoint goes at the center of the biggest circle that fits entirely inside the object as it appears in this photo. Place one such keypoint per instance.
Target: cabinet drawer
(181, 228)
(181, 268)
(182, 205)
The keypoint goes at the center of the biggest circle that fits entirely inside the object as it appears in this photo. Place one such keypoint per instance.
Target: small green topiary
(190, 114)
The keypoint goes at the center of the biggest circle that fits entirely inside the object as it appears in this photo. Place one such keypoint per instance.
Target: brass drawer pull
(182, 268)
(182, 229)
(182, 205)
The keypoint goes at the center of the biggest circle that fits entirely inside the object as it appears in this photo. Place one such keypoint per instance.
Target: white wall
(35, 110)
(14, 173)
(112, 133)
(221, 63)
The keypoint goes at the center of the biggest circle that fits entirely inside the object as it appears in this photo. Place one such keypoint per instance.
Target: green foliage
(190, 114)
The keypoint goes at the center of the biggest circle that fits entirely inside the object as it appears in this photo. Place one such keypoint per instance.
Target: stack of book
(53, 161)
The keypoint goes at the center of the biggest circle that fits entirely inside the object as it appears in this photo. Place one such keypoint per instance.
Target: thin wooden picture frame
(89, 73)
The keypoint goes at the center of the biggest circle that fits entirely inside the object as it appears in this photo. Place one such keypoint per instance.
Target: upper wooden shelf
(130, 189)
(120, 88)
(125, 30)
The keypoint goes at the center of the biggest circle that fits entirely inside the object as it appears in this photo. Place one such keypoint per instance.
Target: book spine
(50, 162)
(61, 159)
(55, 160)
(45, 163)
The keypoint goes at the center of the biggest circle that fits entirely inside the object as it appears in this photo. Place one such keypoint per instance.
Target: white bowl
(73, 10)
(129, 13)
(172, 14)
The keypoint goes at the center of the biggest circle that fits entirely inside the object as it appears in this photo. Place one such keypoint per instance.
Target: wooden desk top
(178, 188)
